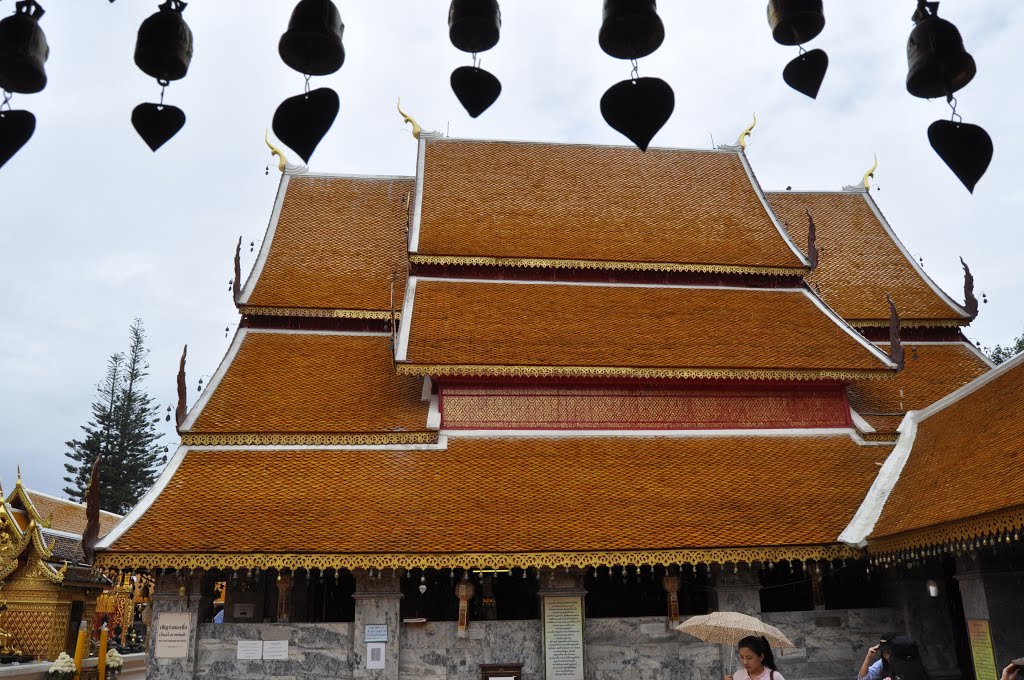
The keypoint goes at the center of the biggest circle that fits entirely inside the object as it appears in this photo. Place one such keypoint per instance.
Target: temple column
(671, 586)
(737, 589)
(562, 620)
(284, 597)
(465, 591)
(990, 600)
(378, 598)
(175, 620)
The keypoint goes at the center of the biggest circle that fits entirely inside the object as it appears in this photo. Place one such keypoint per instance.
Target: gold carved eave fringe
(972, 533)
(116, 560)
(909, 323)
(306, 439)
(546, 263)
(463, 370)
(309, 312)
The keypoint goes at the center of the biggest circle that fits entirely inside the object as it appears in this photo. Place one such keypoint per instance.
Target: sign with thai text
(563, 638)
(275, 650)
(173, 631)
(249, 650)
(981, 649)
(375, 632)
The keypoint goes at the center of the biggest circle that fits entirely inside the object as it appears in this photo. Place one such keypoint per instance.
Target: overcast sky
(95, 229)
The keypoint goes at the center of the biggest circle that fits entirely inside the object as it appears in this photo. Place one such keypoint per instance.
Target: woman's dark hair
(906, 663)
(759, 646)
(885, 645)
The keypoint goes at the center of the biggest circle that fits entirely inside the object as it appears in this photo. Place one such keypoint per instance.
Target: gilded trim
(305, 439)
(891, 437)
(909, 323)
(545, 263)
(961, 535)
(116, 560)
(459, 370)
(316, 313)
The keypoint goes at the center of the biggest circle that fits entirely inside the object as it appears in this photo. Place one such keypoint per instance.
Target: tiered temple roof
(586, 342)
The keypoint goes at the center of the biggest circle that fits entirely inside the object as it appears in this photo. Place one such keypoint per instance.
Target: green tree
(999, 354)
(122, 429)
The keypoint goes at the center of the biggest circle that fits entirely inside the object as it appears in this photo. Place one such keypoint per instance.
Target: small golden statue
(5, 637)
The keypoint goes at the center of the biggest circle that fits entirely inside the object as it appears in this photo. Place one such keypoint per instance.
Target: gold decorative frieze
(969, 534)
(909, 323)
(305, 439)
(279, 561)
(544, 263)
(459, 370)
(308, 312)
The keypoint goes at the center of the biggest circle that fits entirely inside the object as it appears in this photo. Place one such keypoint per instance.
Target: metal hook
(307, 84)
(954, 116)
(7, 100)
(636, 70)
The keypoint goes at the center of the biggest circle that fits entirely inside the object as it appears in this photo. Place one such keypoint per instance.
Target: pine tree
(122, 430)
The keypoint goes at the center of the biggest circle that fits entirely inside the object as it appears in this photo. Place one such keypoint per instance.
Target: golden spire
(742, 141)
(18, 483)
(870, 174)
(274, 151)
(416, 129)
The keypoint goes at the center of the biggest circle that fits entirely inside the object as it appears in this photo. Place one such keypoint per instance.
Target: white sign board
(172, 635)
(375, 656)
(563, 638)
(275, 649)
(375, 632)
(249, 650)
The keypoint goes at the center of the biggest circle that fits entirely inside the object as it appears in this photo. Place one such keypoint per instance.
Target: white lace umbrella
(728, 628)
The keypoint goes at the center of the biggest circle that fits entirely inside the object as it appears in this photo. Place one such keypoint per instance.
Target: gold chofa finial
(870, 174)
(416, 129)
(274, 151)
(742, 141)
(18, 483)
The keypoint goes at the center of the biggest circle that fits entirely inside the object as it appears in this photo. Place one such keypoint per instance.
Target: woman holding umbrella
(757, 659)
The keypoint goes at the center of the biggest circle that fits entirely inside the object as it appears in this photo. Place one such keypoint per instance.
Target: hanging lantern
(939, 64)
(638, 108)
(163, 49)
(474, 25)
(312, 43)
(795, 22)
(23, 50)
(631, 28)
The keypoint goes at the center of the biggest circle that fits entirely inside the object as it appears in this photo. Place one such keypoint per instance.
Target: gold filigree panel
(976, 532)
(272, 439)
(542, 263)
(638, 373)
(306, 312)
(909, 323)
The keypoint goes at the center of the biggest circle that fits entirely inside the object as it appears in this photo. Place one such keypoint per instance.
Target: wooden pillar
(284, 597)
(671, 586)
(464, 591)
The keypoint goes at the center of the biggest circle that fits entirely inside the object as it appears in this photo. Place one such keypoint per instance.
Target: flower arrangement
(115, 662)
(62, 669)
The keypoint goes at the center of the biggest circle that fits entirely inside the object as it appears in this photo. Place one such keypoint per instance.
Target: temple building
(46, 585)
(519, 414)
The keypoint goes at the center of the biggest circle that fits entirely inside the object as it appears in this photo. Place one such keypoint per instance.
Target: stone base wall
(830, 646)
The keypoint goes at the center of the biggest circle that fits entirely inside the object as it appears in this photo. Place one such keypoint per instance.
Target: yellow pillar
(101, 662)
(80, 646)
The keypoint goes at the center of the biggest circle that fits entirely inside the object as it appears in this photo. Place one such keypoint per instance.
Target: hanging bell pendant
(16, 128)
(163, 49)
(638, 108)
(23, 50)
(475, 88)
(631, 28)
(806, 73)
(938, 63)
(312, 44)
(474, 25)
(795, 22)
(965, 148)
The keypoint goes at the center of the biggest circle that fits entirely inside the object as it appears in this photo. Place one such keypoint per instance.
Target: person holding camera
(876, 661)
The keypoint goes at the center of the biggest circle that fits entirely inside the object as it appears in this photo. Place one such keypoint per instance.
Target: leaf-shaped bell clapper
(938, 63)
(16, 128)
(638, 108)
(795, 22)
(23, 50)
(476, 89)
(965, 148)
(312, 43)
(163, 49)
(474, 25)
(631, 28)
(806, 72)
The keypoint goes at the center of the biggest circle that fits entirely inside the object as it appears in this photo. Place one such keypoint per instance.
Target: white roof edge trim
(402, 351)
(768, 209)
(569, 434)
(858, 420)
(966, 343)
(146, 502)
(268, 238)
(61, 534)
(850, 330)
(953, 304)
(864, 520)
(33, 492)
(434, 413)
(347, 175)
(437, 136)
(417, 194)
(971, 387)
(211, 387)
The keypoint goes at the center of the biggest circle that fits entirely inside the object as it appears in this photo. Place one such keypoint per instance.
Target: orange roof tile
(966, 459)
(510, 496)
(68, 515)
(599, 203)
(860, 261)
(744, 332)
(931, 371)
(286, 382)
(336, 245)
